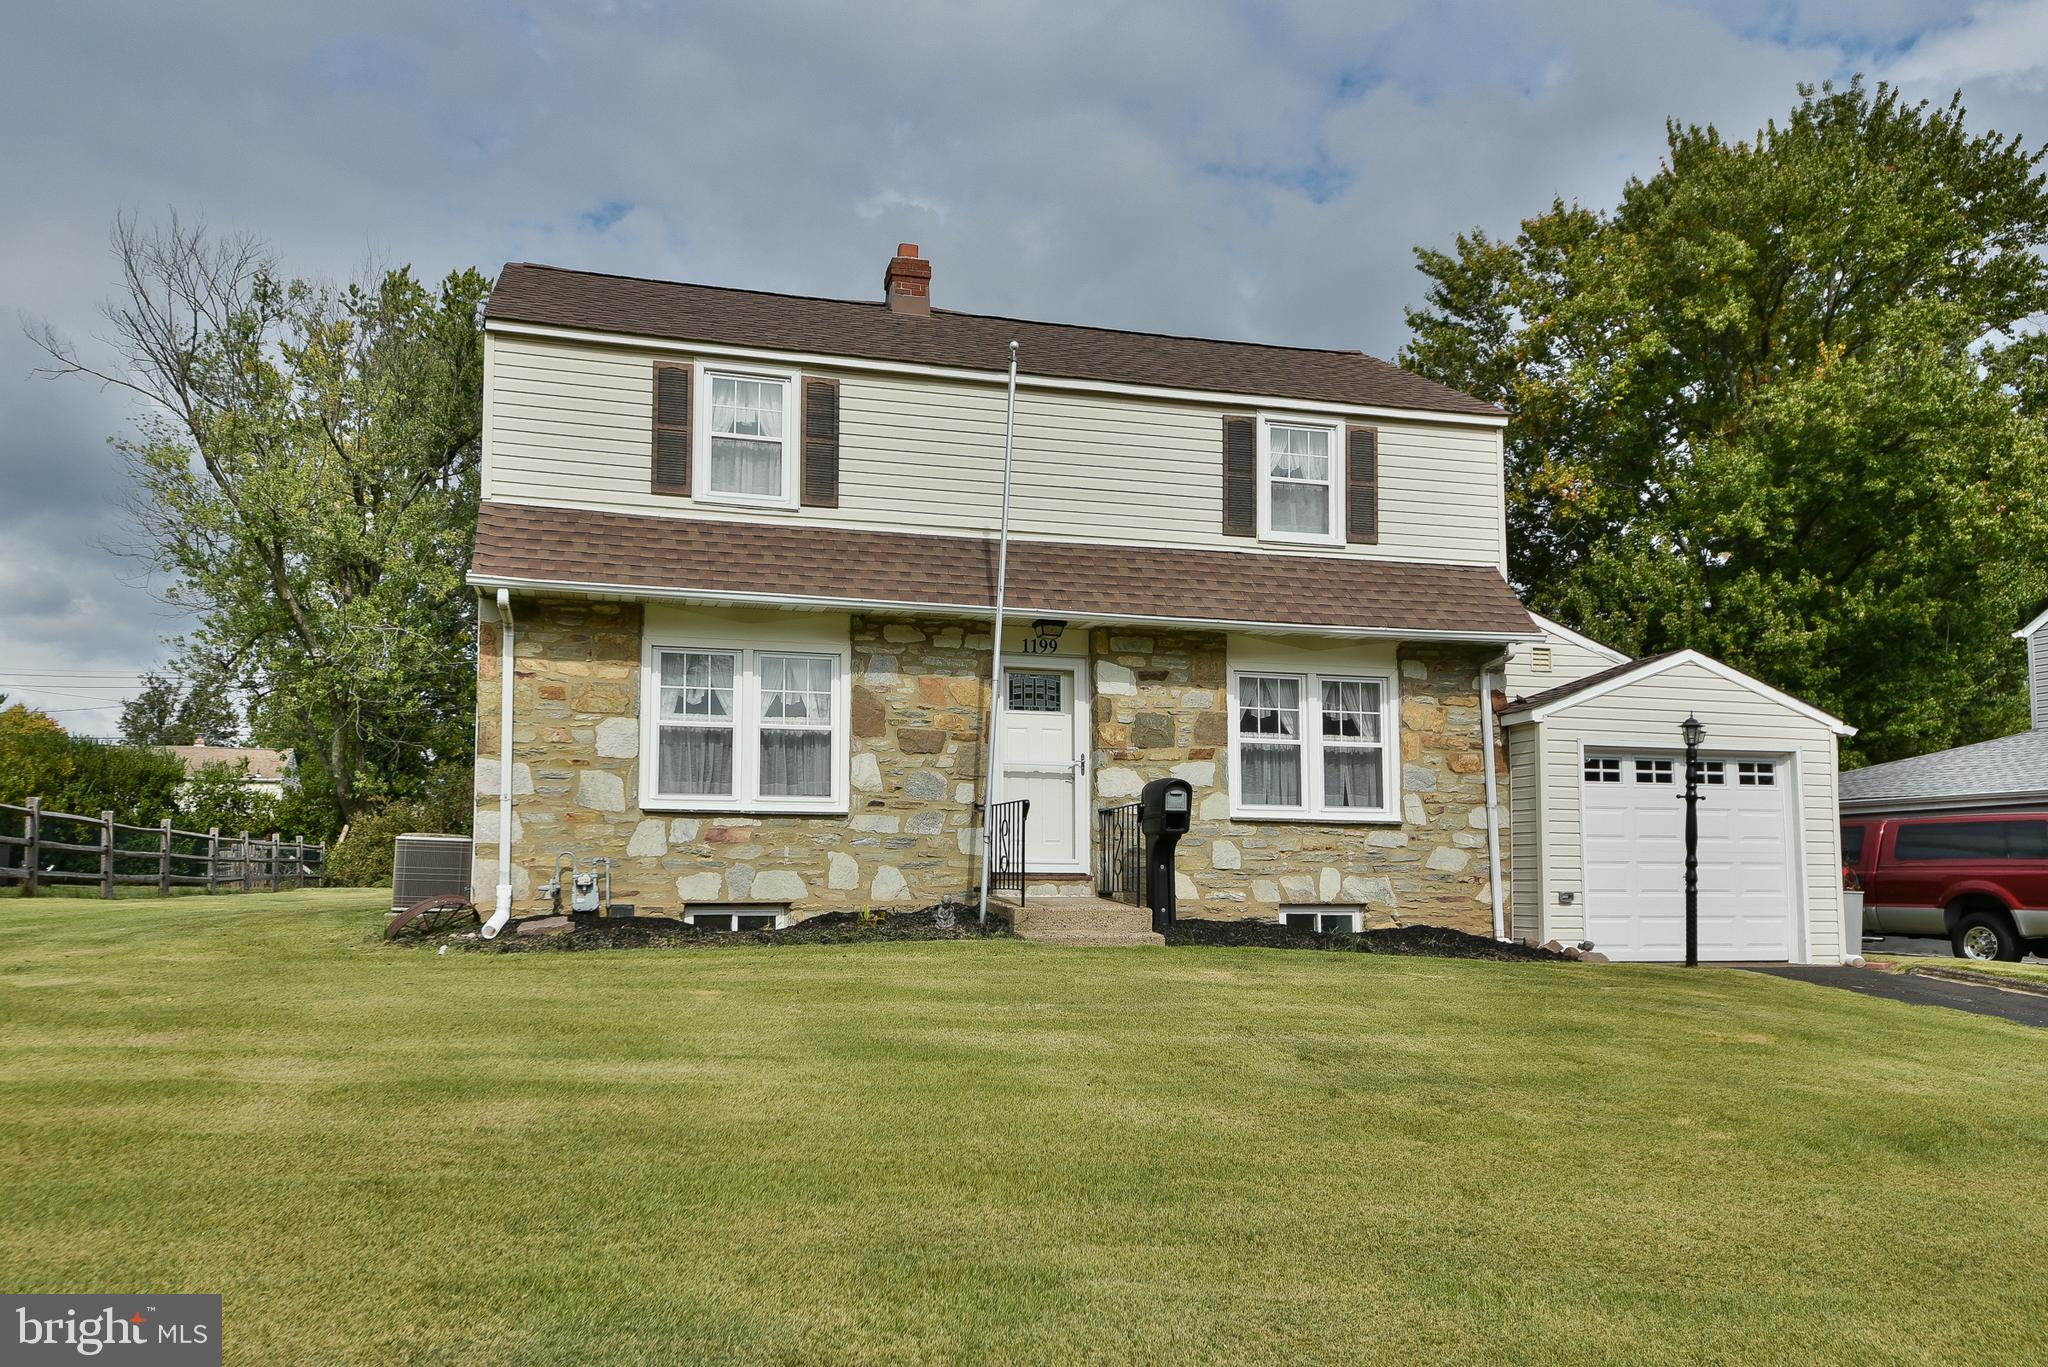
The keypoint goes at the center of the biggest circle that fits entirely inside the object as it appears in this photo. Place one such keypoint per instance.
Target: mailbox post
(1163, 810)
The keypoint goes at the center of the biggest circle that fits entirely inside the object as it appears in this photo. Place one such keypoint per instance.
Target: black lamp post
(1694, 733)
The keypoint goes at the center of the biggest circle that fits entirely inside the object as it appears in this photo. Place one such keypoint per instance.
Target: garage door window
(1713, 772)
(1603, 769)
(1653, 771)
(1756, 773)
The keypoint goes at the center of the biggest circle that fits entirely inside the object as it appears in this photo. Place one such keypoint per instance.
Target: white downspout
(1500, 920)
(503, 909)
(995, 668)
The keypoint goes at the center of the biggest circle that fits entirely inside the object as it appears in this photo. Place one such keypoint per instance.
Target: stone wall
(917, 693)
(917, 690)
(1161, 709)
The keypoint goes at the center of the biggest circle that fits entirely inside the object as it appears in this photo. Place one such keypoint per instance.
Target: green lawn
(936, 1152)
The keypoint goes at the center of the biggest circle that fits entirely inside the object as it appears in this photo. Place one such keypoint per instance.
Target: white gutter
(502, 911)
(1500, 922)
(645, 592)
(995, 667)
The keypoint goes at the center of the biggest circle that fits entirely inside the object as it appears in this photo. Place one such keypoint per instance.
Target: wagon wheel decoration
(433, 916)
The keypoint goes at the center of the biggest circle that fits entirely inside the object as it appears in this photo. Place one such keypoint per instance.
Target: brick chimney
(907, 284)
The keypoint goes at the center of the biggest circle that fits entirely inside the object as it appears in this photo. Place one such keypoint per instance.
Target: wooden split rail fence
(114, 854)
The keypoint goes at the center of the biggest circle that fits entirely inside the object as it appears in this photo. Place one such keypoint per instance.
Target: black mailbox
(1163, 811)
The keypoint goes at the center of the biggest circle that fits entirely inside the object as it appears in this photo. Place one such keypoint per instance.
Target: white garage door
(1635, 857)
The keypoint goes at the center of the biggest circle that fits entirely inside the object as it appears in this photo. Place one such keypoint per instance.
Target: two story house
(741, 549)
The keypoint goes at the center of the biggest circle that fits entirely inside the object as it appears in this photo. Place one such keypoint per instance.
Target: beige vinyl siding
(1739, 722)
(1525, 829)
(1569, 663)
(569, 426)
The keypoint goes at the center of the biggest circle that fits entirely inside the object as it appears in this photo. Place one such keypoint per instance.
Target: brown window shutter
(1240, 477)
(1362, 485)
(670, 472)
(820, 483)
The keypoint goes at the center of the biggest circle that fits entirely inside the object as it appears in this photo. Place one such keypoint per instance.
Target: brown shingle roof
(528, 293)
(676, 554)
(1551, 695)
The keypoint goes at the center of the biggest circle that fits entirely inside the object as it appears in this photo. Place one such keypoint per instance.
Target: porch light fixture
(1693, 731)
(1049, 629)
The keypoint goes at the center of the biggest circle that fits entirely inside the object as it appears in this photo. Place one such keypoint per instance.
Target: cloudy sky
(1181, 166)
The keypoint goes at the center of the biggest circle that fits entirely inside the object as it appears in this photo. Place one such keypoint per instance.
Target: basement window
(1323, 920)
(730, 918)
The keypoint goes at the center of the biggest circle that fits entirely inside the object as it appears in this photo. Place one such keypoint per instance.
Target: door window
(1031, 692)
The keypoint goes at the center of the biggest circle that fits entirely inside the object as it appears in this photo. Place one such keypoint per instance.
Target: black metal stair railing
(1006, 846)
(1119, 855)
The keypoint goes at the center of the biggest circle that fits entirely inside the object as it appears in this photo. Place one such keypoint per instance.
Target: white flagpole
(995, 670)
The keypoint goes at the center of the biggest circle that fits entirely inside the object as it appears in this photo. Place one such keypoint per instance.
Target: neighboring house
(748, 546)
(267, 768)
(1596, 772)
(2007, 774)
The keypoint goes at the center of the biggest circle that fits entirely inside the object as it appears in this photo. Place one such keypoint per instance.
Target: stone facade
(917, 692)
(1161, 710)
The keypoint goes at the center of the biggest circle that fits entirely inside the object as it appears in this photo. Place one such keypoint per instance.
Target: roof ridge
(964, 313)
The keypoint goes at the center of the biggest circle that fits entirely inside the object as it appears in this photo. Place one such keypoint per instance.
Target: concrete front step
(1076, 920)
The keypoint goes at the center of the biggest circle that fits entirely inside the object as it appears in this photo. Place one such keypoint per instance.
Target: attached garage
(1596, 782)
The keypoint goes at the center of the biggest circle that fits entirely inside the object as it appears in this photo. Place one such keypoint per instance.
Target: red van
(1979, 881)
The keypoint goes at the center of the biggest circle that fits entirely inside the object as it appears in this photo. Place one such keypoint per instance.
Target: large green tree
(305, 478)
(1783, 404)
(196, 711)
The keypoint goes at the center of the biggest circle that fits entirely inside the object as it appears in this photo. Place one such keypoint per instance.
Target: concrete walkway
(2024, 1008)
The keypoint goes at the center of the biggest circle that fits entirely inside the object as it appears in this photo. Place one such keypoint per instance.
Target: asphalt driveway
(2024, 1008)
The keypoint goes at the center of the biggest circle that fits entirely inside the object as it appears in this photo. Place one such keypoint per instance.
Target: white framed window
(1322, 920)
(746, 442)
(1653, 771)
(1603, 769)
(1756, 773)
(734, 916)
(1301, 478)
(1713, 772)
(1311, 746)
(743, 728)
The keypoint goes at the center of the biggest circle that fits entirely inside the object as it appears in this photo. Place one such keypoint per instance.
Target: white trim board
(1566, 634)
(638, 342)
(1650, 669)
(700, 597)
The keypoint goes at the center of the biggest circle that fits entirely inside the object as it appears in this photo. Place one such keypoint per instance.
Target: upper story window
(747, 454)
(1300, 473)
(1311, 746)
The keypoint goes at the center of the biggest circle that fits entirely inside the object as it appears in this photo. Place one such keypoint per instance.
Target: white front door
(1635, 857)
(1043, 756)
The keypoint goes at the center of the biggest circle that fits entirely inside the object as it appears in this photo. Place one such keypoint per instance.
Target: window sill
(725, 807)
(1320, 542)
(1255, 815)
(750, 504)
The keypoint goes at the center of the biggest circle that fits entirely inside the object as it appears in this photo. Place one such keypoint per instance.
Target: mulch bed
(1431, 941)
(659, 932)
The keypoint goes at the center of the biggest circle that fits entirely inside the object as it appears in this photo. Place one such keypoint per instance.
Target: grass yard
(946, 1151)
